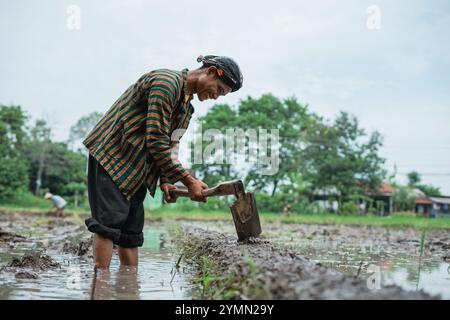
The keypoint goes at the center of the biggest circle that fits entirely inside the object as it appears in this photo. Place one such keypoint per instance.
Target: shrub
(13, 178)
(267, 203)
(408, 214)
(349, 208)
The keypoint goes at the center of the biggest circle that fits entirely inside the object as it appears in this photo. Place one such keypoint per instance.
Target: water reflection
(395, 268)
(75, 278)
(127, 284)
(101, 289)
(344, 248)
(124, 285)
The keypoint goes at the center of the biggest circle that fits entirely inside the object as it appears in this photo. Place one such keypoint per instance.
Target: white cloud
(394, 79)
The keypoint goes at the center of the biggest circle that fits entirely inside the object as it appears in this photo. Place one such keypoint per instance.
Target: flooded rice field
(382, 256)
(65, 243)
(42, 257)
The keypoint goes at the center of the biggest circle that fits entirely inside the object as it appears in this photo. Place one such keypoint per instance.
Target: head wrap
(227, 70)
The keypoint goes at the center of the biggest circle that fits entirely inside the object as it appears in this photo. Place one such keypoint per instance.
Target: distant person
(287, 209)
(130, 149)
(58, 202)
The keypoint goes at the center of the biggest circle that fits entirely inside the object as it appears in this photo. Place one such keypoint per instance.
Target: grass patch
(27, 200)
(28, 203)
(394, 221)
(27, 210)
(176, 214)
(211, 280)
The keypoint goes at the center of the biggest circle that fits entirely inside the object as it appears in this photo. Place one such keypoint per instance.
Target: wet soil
(368, 238)
(82, 248)
(392, 253)
(45, 257)
(293, 261)
(283, 273)
(34, 260)
(26, 275)
(314, 240)
(10, 237)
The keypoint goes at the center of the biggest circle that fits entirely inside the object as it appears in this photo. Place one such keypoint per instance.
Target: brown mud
(282, 273)
(28, 271)
(367, 238)
(82, 248)
(318, 241)
(23, 274)
(29, 237)
(10, 237)
(34, 260)
(283, 260)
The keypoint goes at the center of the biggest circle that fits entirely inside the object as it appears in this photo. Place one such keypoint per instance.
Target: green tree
(12, 129)
(267, 112)
(341, 155)
(313, 154)
(291, 119)
(53, 166)
(219, 117)
(413, 178)
(13, 166)
(77, 189)
(65, 168)
(429, 190)
(38, 147)
(404, 199)
(84, 125)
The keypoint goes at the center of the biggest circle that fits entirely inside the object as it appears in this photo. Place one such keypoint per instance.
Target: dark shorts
(113, 216)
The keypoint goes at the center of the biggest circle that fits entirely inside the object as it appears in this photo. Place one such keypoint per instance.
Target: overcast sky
(394, 78)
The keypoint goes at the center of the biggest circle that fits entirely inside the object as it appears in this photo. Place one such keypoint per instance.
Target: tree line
(32, 162)
(316, 154)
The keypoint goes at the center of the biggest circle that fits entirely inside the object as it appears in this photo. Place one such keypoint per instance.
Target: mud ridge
(34, 260)
(282, 273)
(81, 249)
(10, 237)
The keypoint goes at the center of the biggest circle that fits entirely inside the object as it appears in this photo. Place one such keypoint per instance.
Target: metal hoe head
(245, 213)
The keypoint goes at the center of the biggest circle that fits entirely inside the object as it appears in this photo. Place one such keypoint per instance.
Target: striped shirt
(133, 141)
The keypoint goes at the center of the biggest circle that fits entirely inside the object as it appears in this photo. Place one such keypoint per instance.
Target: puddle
(74, 278)
(258, 269)
(435, 279)
(393, 268)
(385, 256)
(392, 255)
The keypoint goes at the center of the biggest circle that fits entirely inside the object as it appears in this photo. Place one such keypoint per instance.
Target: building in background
(440, 206)
(383, 199)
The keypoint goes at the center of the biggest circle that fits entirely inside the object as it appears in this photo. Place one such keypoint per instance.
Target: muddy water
(385, 256)
(389, 255)
(74, 278)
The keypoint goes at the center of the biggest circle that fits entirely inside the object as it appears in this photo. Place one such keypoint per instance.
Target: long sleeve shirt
(134, 140)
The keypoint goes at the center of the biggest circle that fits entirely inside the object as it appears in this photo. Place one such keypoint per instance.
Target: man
(58, 202)
(131, 147)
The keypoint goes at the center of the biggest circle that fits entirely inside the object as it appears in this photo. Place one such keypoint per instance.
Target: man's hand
(165, 188)
(195, 188)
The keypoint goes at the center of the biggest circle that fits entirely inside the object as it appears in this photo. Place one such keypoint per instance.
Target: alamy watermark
(373, 21)
(251, 148)
(374, 279)
(73, 20)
